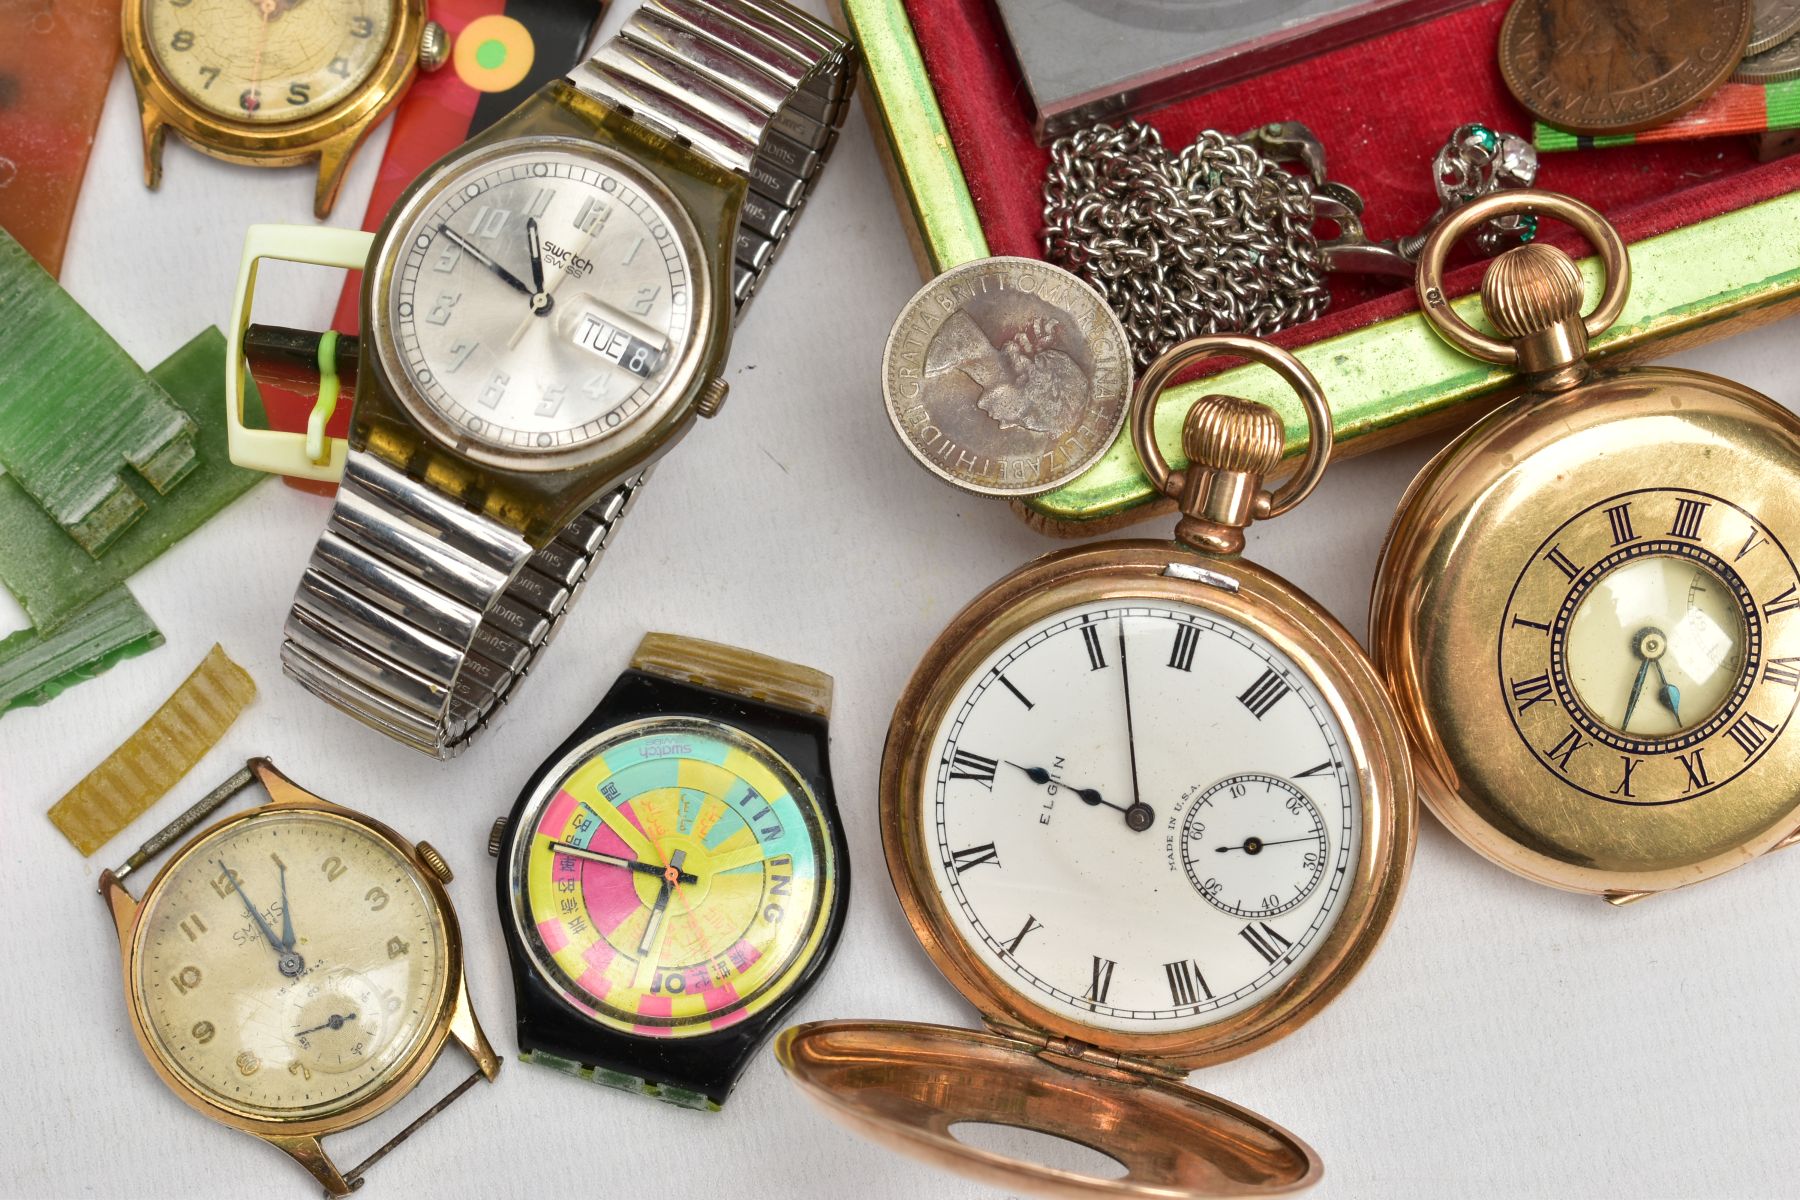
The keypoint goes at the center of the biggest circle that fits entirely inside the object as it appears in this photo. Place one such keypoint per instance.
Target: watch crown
(1529, 289)
(1229, 434)
(1231, 444)
(712, 397)
(435, 861)
(434, 47)
(496, 837)
(1532, 294)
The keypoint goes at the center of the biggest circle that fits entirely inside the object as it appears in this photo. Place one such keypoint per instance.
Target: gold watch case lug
(122, 907)
(334, 163)
(467, 1032)
(154, 131)
(309, 1152)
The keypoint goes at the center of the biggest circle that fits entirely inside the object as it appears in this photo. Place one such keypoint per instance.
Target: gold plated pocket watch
(1587, 607)
(272, 83)
(295, 969)
(1148, 807)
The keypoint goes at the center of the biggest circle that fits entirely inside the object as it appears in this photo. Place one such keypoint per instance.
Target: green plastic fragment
(75, 410)
(36, 667)
(53, 577)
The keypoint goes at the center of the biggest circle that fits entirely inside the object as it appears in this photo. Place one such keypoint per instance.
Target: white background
(1506, 1040)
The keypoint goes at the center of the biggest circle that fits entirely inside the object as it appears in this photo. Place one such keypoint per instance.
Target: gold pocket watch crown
(1532, 293)
(1231, 445)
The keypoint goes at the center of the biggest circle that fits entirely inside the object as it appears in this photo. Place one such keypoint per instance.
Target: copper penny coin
(1621, 65)
(1006, 376)
(1774, 23)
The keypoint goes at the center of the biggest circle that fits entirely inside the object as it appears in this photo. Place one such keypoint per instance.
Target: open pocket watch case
(1148, 808)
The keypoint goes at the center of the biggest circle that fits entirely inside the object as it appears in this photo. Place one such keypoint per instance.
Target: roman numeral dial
(1644, 654)
(1225, 753)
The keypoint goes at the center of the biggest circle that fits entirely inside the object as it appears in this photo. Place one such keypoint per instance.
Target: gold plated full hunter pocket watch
(295, 969)
(272, 83)
(1588, 607)
(1147, 806)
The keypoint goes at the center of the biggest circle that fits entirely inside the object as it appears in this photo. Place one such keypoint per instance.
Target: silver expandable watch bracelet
(417, 615)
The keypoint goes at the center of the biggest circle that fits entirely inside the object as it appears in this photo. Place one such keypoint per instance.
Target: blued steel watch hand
(1254, 845)
(1668, 693)
(481, 256)
(1637, 689)
(1140, 815)
(613, 860)
(287, 962)
(334, 1021)
(1088, 796)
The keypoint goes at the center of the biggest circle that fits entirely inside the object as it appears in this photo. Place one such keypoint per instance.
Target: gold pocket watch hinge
(1086, 1056)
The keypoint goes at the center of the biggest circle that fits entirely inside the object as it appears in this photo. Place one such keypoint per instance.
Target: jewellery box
(1714, 233)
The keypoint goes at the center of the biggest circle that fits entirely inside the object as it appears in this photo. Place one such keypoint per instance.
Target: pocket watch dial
(266, 61)
(1635, 649)
(541, 298)
(1684, 625)
(672, 877)
(1142, 815)
(290, 963)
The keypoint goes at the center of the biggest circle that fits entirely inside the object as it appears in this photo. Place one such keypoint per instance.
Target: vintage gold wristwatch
(272, 83)
(1148, 808)
(295, 969)
(1588, 608)
(547, 310)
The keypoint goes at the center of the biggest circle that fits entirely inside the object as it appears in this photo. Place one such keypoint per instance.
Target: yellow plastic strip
(152, 760)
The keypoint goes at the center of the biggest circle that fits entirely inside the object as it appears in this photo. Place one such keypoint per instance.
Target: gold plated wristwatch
(548, 309)
(272, 83)
(295, 969)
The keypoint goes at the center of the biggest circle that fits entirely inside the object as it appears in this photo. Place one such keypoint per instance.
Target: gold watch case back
(1110, 1083)
(1589, 612)
(343, 1033)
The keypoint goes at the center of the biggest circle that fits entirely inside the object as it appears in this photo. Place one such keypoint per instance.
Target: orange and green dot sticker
(494, 53)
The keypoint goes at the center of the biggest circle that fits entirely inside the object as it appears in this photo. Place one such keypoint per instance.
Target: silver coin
(1006, 376)
(1772, 22)
(1771, 66)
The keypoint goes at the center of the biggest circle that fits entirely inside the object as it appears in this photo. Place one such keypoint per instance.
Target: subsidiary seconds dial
(541, 297)
(1254, 845)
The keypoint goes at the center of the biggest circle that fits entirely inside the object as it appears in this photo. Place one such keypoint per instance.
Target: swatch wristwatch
(546, 311)
(673, 878)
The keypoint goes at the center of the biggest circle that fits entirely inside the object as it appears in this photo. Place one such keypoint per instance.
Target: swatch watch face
(267, 61)
(671, 877)
(540, 297)
(1141, 815)
(288, 964)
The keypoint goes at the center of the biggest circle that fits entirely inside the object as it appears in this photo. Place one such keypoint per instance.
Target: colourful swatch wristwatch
(673, 878)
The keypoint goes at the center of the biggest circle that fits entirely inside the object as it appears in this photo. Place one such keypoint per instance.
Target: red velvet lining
(1382, 108)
